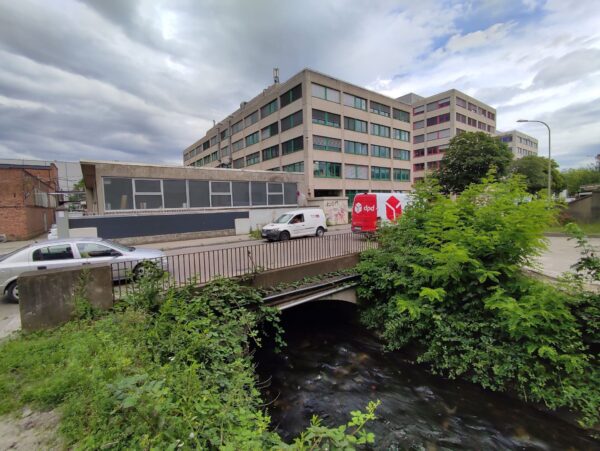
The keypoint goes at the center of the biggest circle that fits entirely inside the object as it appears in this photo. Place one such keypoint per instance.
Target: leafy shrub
(446, 280)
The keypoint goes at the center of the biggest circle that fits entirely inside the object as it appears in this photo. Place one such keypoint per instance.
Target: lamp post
(549, 157)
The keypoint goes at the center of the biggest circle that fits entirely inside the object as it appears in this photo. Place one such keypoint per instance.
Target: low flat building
(520, 144)
(27, 202)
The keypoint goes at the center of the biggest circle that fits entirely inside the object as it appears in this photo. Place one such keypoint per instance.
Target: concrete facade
(26, 205)
(520, 144)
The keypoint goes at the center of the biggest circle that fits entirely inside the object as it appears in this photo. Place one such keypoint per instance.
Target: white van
(304, 222)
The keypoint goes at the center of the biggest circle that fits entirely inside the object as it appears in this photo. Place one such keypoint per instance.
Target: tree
(575, 178)
(469, 158)
(535, 170)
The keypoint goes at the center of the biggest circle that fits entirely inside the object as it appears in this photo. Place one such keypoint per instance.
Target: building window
(438, 135)
(491, 116)
(401, 135)
(252, 119)
(224, 134)
(237, 146)
(237, 127)
(380, 151)
(380, 130)
(294, 167)
(253, 158)
(214, 156)
(401, 154)
(418, 125)
(213, 141)
(418, 139)
(401, 115)
(325, 118)
(355, 102)
(461, 118)
(326, 143)
(433, 165)
(290, 96)
(148, 193)
(268, 109)
(325, 93)
(482, 126)
(379, 173)
(490, 129)
(461, 102)
(224, 151)
(472, 107)
(220, 194)
(472, 122)
(351, 194)
(402, 175)
(356, 148)
(252, 139)
(293, 145)
(276, 168)
(270, 130)
(239, 163)
(356, 172)
(291, 121)
(118, 193)
(418, 110)
(270, 152)
(355, 124)
(459, 131)
(418, 167)
(379, 108)
(506, 139)
(438, 119)
(205, 145)
(326, 169)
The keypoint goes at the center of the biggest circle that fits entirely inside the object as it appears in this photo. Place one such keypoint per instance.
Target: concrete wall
(47, 298)
(335, 208)
(586, 209)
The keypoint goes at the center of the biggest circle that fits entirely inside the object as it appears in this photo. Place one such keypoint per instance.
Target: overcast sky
(141, 80)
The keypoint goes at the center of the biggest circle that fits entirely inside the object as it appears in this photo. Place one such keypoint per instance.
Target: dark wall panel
(163, 224)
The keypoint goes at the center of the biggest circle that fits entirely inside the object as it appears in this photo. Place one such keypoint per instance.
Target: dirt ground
(30, 431)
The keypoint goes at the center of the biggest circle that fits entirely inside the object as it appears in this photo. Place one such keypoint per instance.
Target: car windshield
(283, 219)
(10, 254)
(119, 247)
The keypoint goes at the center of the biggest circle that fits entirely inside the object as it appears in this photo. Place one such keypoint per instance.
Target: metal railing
(234, 261)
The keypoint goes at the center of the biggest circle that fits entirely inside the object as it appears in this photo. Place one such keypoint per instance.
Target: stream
(332, 366)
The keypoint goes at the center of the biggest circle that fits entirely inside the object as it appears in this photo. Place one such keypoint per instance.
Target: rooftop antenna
(276, 75)
(214, 122)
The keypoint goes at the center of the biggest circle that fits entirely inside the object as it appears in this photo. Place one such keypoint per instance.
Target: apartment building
(344, 139)
(437, 119)
(519, 143)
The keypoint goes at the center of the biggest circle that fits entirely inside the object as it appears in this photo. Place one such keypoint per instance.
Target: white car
(296, 223)
(72, 252)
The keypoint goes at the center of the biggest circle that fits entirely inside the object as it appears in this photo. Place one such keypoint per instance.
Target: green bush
(446, 280)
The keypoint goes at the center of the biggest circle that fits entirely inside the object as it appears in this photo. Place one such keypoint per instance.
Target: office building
(519, 143)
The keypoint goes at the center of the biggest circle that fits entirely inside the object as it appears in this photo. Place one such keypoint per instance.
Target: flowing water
(332, 366)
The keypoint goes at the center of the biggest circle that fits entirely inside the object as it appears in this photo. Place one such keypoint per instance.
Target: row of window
(358, 148)
(474, 123)
(145, 194)
(357, 125)
(333, 95)
(430, 166)
(430, 151)
(287, 147)
(432, 136)
(435, 120)
(432, 106)
(522, 152)
(475, 108)
(327, 169)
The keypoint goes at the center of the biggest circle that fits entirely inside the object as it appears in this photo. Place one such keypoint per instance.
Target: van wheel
(284, 236)
(12, 292)
(320, 232)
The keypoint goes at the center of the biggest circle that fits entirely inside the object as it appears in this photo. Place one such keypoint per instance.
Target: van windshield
(283, 219)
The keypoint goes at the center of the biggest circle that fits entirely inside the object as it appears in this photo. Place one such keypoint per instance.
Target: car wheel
(12, 292)
(284, 236)
(320, 232)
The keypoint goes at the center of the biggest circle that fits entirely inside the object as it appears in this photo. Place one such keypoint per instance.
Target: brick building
(26, 207)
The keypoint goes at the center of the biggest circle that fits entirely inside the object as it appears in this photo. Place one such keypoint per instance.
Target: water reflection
(332, 366)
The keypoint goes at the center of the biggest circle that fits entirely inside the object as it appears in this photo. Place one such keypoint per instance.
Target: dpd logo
(358, 207)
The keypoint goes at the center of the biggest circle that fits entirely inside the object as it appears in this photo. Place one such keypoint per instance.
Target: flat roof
(174, 166)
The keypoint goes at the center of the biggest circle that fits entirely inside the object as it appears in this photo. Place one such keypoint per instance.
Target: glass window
(253, 158)
(326, 143)
(241, 194)
(251, 119)
(356, 148)
(418, 124)
(147, 186)
(259, 193)
(461, 118)
(213, 141)
(237, 146)
(355, 102)
(401, 154)
(205, 145)
(379, 108)
(290, 96)
(220, 194)
(380, 130)
(148, 201)
(379, 173)
(199, 193)
(270, 152)
(418, 139)
(355, 124)
(326, 118)
(224, 134)
(237, 127)
(268, 109)
(380, 151)
(118, 193)
(401, 115)
(275, 193)
(293, 145)
(95, 250)
(220, 187)
(325, 93)
(270, 130)
(418, 110)
(402, 175)
(401, 135)
(238, 163)
(291, 121)
(327, 169)
(290, 191)
(252, 139)
(352, 171)
(461, 102)
(58, 252)
(294, 167)
(175, 192)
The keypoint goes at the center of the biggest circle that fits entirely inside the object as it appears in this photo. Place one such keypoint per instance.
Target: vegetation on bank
(163, 372)
(446, 281)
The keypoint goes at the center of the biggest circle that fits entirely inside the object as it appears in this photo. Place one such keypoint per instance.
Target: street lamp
(549, 156)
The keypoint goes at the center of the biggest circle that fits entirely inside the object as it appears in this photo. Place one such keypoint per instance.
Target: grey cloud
(570, 67)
